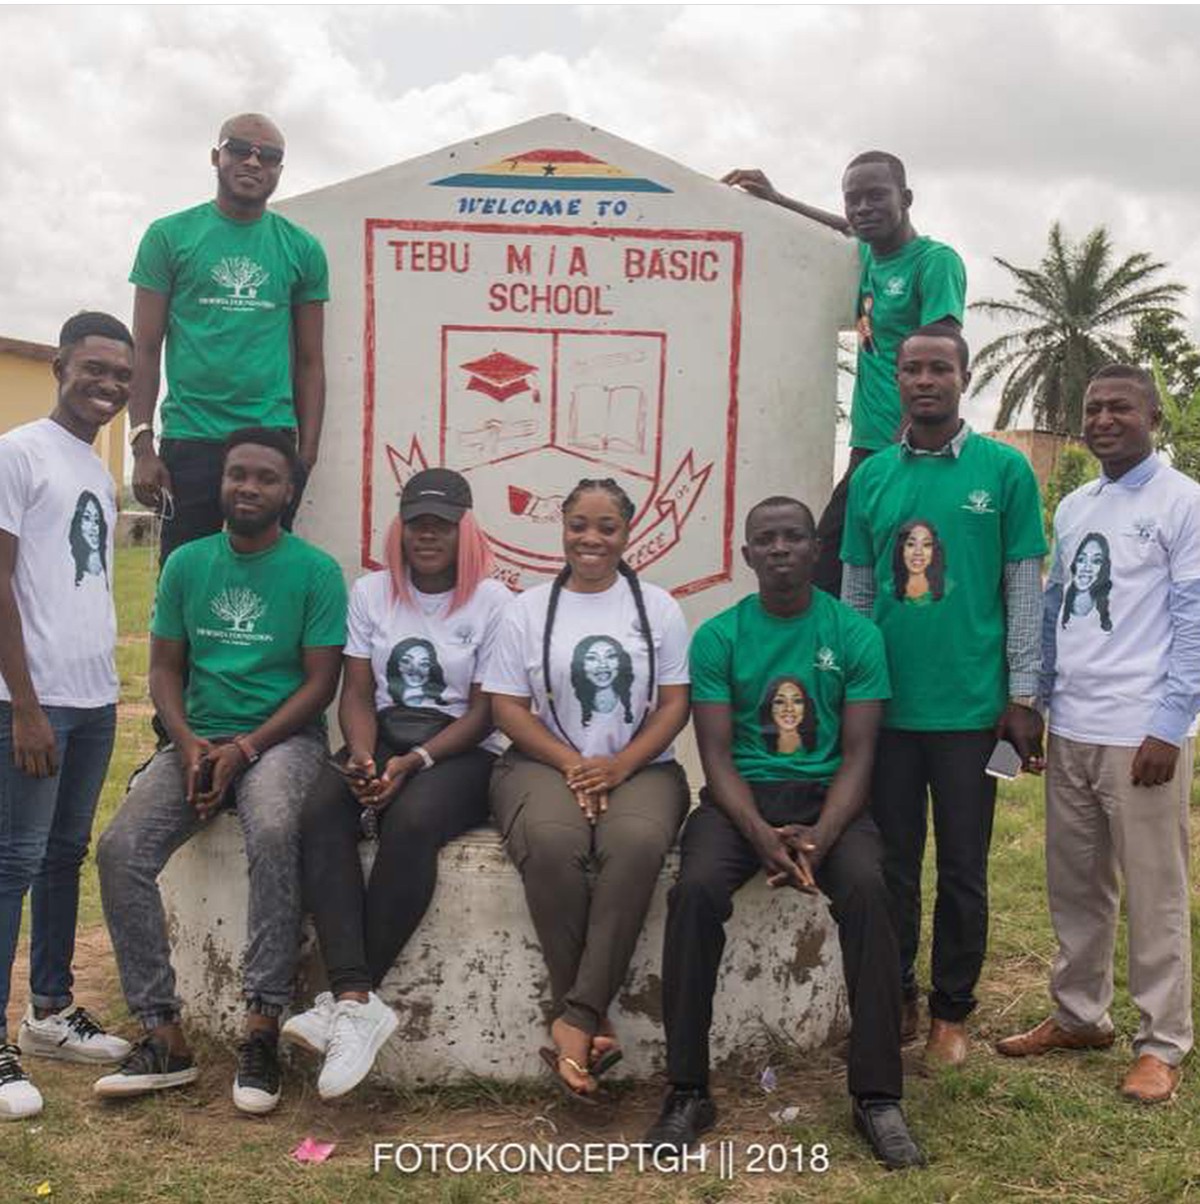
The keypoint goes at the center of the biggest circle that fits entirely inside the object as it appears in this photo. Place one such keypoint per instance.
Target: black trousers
(195, 468)
(827, 574)
(362, 929)
(717, 859)
(949, 765)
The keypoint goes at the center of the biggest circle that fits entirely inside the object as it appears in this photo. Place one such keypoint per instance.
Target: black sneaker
(882, 1125)
(150, 1066)
(684, 1116)
(256, 1088)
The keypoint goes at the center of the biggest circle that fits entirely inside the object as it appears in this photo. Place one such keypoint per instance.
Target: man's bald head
(254, 127)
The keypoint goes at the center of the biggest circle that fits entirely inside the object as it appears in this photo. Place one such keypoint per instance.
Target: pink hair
(474, 561)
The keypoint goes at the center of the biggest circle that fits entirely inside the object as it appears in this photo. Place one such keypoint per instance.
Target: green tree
(1075, 466)
(1072, 310)
(1159, 338)
(1179, 431)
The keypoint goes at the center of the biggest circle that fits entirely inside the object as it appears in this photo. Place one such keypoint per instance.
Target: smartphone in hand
(1004, 763)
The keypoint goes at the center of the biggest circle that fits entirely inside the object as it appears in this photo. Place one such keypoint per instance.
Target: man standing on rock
(237, 293)
(906, 280)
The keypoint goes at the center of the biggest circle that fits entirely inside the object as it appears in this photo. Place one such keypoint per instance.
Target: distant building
(27, 392)
(1041, 448)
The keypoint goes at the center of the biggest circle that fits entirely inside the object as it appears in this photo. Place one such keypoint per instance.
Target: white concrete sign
(549, 303)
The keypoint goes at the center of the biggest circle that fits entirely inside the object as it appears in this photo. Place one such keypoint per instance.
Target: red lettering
(520, 259)
(679, 264)
(578, 265)
(521, 298)
(432, 256)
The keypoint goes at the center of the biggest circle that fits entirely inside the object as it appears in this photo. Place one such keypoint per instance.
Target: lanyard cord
(635, 587)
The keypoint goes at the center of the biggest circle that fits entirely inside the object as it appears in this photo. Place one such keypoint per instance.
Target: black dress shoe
(684, 1116)
(882, 1125)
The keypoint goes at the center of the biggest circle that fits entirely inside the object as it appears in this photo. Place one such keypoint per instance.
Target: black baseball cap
(439, 491)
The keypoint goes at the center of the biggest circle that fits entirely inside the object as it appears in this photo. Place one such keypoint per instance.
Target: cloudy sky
(1008, 118)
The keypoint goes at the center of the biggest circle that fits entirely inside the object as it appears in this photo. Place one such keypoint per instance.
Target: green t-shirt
(920, 283)
(247, 620)
(232, 286)
(938, 531)
(786, 681)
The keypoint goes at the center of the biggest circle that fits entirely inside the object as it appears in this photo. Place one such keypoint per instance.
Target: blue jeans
(45, 826)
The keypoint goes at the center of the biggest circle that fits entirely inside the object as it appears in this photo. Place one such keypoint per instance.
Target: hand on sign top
(753, 181)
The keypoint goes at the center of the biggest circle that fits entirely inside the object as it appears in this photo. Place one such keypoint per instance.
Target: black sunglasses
(268, 155)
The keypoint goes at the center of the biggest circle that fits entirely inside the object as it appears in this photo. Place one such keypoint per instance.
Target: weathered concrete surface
(471, 988)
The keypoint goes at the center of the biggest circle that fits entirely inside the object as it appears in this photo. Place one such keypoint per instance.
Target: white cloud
(1008, 118)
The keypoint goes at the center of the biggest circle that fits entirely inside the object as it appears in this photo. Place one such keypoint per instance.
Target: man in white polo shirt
(1121, 674)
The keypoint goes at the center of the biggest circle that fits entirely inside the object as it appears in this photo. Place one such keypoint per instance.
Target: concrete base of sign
(471, 987)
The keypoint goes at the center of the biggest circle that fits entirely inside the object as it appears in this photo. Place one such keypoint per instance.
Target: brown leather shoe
(1051, 1035)
(910, 1021)
(1151, 1081)
(947, 1044)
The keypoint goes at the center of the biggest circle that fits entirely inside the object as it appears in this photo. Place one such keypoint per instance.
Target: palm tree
(1073, 309)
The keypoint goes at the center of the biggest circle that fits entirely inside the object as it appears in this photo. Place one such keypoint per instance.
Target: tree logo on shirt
(826, 661)
(979, 501)
(1144, 530)
(241, 608)
(894, 287)
(241, 275)
(464, 634)
(602, 677)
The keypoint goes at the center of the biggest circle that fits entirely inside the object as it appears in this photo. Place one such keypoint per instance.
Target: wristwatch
(136, 431)
(1025, 700)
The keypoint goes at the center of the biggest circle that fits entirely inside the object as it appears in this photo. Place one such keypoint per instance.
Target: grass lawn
(1048, 1130)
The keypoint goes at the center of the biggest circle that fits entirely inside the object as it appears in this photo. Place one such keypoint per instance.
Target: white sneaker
(310, 1030)
(72, 1035)
(18, 1096)
(359, 1032)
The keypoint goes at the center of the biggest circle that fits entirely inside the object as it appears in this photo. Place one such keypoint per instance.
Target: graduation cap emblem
(498, 376)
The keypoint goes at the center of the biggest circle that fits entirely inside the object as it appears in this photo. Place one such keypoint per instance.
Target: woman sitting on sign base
(589, 679)
(415, 770)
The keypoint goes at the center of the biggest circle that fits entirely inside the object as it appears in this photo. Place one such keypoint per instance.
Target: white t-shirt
(1117, 552)
(421, 655)
(598, 661)
(57, 498)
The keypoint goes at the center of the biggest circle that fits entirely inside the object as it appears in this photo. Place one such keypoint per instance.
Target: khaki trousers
(1097, 822)
(588, 887)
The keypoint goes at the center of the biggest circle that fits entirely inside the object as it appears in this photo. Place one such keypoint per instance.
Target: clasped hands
(371, 788)
(591, 780)
(790, 855)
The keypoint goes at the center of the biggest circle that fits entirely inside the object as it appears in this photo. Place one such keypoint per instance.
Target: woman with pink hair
(414, 772)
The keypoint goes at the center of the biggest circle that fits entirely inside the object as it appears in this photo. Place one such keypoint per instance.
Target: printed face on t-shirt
(602, 677)
(1091, 582)
(787, 718)
(919, 563)
(88, 538)
(414, 674)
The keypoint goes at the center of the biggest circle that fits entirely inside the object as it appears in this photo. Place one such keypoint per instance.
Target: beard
(249, 527)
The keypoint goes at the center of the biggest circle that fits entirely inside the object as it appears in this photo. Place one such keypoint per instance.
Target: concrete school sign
(549, 302)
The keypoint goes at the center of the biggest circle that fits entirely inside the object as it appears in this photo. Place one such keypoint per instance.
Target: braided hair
(626, 509)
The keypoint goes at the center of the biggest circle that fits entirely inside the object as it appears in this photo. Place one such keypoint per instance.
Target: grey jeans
(155, 820)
